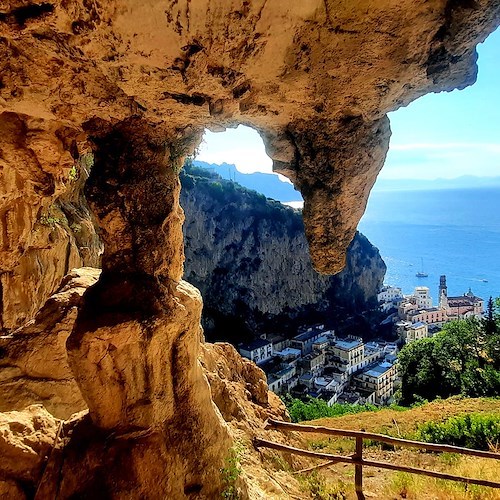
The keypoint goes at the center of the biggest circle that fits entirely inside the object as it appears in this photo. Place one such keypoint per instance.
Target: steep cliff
(249, 257)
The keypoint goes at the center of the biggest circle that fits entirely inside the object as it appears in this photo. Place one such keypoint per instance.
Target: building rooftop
(288, 351)
(322, 340)
(284, 371)
(463, 300)
(312, 355)
(304, 337)
(391, 358)
(418, 324)
(378, 369)
(347, 345)
(323, 381)
(421, 311)
(255, 344)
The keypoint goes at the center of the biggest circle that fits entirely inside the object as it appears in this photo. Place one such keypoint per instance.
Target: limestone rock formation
(316, 80)
(238, 388)
(138, 81)
(45, 230)
(249, 258)
(33, 361)
(26, 440)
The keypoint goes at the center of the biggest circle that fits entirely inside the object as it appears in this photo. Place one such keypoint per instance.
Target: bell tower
(443, 293)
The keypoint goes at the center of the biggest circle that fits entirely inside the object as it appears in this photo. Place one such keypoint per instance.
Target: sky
(443, 135)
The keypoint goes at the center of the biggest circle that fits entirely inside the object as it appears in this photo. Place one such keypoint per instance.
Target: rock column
(135, 344)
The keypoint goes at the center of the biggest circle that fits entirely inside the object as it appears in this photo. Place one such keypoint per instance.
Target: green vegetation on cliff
(315, 408)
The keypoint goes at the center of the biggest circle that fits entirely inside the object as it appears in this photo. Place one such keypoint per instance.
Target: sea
(455, 232)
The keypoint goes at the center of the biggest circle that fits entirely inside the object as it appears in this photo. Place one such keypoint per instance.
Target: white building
(283, 380)
(259, 350)
(305, 340)
(314, 362)
(321, 343)
(422, 298)
(347, 354)
(288, 354)
(389, 293)
(378, 378)
(416, 331)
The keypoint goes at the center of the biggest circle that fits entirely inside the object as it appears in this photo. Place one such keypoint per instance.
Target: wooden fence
(357, 457)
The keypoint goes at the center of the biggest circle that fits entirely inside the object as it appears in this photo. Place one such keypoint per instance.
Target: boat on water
(421, 273)
(484, 281)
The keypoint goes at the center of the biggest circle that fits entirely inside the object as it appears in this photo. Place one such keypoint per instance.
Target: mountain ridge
(270, 185)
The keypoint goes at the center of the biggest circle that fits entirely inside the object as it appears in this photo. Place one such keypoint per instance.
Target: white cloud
(244, 148)
(417, 146)
(447, 160)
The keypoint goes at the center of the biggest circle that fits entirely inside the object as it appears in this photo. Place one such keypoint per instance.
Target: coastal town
(345, 369)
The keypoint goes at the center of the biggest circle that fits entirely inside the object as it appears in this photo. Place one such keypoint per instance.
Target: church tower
(443, 293)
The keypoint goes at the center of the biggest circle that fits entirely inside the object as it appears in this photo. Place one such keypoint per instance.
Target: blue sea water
(455, 232)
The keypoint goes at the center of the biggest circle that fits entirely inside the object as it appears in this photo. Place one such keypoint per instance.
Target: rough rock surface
(249, 258)
(134, 347)
(33, 361)
(237, 387)
(45, 230)
(316, 80)
(26, 440)
(140, 80)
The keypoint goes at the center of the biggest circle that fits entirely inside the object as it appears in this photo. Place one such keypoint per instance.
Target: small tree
(490, 326)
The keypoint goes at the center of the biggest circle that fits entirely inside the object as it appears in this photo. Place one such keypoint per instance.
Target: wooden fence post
(358, 468)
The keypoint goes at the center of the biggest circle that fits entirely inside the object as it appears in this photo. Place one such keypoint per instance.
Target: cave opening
(436, 198)
(246, 250)
(232, 202)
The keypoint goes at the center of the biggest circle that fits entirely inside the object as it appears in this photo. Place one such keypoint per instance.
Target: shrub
(475, 430)
(73, 173)
(49, 220)
(231, 472)
(321, 490)
(315, 408)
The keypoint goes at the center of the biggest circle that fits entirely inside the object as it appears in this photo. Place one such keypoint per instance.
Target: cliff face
(249, 257)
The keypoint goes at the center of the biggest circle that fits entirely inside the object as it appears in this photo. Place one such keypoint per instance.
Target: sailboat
(421, 273)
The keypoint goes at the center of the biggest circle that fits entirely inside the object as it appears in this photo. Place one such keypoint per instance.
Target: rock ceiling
(315, 78)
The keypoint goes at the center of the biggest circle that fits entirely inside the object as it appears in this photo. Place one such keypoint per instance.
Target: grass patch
(404, 485)
(321, 489)
(314, 408)
(380, 484)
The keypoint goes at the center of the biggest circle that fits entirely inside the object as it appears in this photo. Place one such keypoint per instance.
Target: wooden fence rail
(357, 458)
